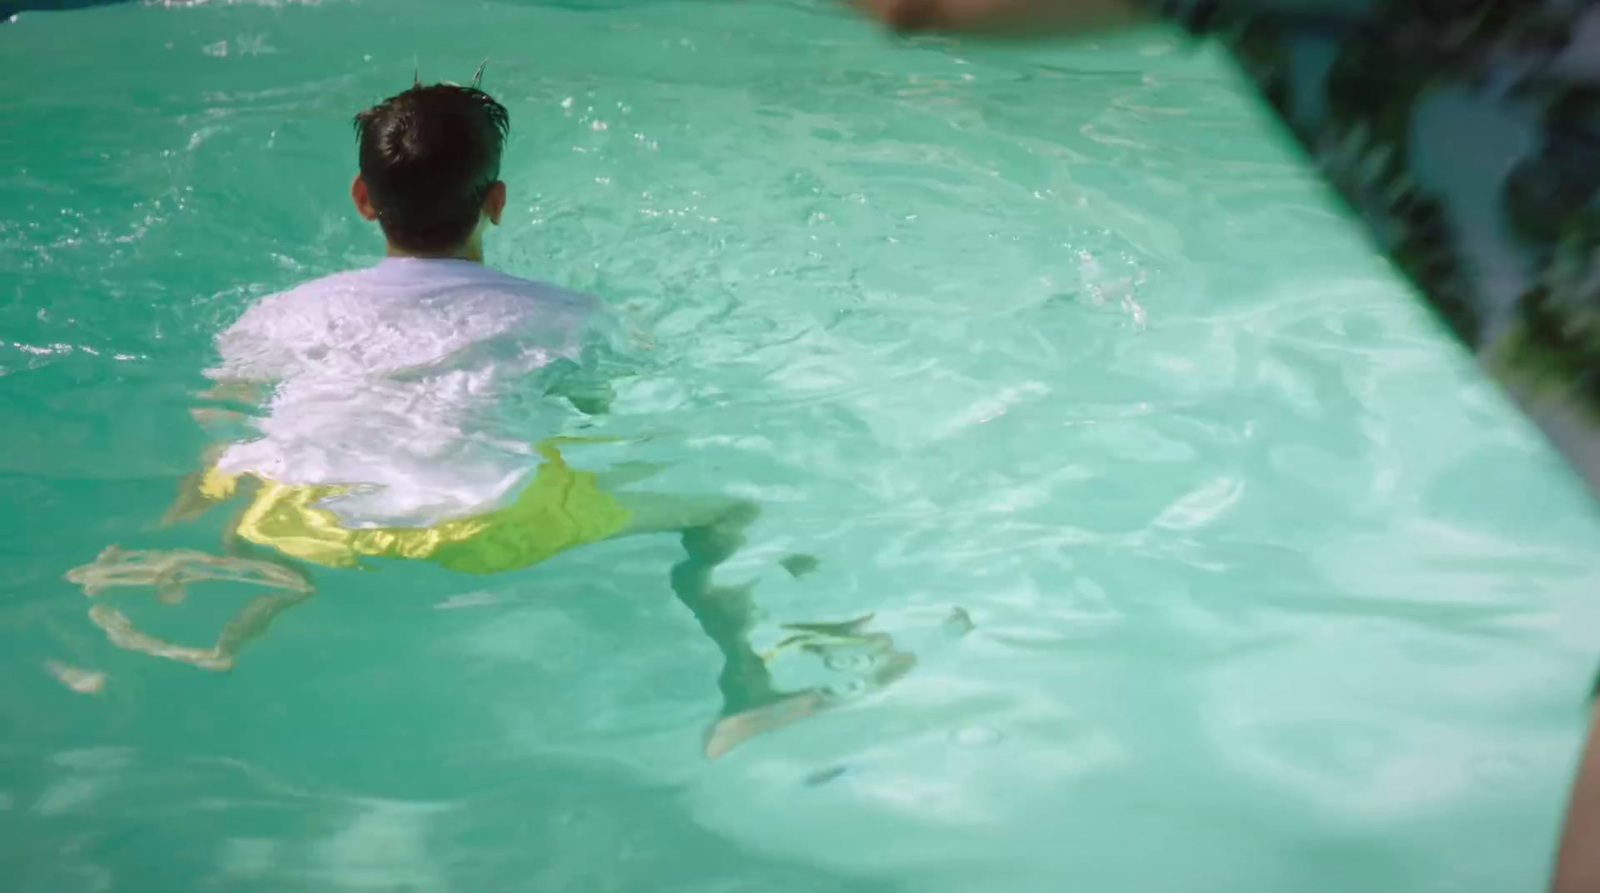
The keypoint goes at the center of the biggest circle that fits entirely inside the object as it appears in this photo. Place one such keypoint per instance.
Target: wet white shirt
(408, 382)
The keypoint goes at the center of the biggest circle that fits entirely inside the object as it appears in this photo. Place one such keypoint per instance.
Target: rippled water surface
(1267, 592)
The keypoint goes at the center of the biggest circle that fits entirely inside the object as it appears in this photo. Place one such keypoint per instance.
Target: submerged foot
(731, 731)
(881, 667)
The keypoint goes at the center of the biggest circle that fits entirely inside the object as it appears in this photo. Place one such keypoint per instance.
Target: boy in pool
(382, 438)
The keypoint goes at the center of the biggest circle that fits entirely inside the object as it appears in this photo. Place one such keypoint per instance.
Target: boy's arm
(199, 490)
(253, 393)
(607, 352)
(204, 487)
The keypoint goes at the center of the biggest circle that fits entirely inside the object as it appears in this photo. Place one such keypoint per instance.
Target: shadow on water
(9, 8)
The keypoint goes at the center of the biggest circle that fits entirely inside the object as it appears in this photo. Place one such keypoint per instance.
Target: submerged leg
(750, 703)
(251, 622)
(712, 532)
(256, 616)
(168, 572)
(725, 613)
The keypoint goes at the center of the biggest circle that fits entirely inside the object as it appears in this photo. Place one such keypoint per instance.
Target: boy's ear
(494, 203)
(363, 201)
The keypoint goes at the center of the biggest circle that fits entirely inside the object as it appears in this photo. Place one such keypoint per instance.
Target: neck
(472, 251)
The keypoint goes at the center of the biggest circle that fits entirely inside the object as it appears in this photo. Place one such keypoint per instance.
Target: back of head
(428, 157)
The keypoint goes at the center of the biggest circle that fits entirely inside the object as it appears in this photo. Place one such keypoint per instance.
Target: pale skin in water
(1577, 867)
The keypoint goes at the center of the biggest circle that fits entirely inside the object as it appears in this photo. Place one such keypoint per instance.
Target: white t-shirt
(408, 382)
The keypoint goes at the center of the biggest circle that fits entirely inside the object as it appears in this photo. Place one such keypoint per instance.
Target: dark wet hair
(429, 156)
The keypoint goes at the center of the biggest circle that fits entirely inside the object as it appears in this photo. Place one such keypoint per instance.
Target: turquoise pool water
(1267, 591)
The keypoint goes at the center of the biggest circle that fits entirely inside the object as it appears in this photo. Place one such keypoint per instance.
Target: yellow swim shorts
(559, 509)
